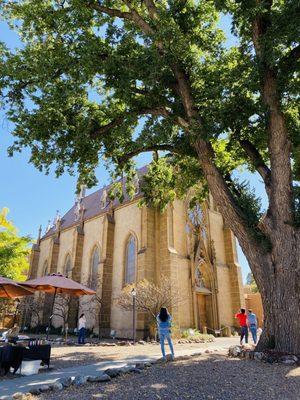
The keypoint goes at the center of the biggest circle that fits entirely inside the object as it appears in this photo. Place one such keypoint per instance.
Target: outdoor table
(12, 356)
(38, 352)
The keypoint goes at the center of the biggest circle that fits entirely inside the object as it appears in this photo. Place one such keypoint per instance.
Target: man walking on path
(252, 321)
(242, 317)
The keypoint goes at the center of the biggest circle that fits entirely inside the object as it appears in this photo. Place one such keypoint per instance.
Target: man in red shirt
(242, 317)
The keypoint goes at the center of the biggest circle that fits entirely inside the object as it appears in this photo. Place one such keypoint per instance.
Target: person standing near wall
(242, 317)
(164, 327)
(81, 329)
(252, 322)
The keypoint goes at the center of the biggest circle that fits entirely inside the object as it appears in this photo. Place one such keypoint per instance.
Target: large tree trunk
(278, 279)
(276, 269)
(281, 303)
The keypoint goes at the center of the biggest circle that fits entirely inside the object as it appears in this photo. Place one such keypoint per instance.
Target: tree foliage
(107, 80)
(251, 284)
(14, 250)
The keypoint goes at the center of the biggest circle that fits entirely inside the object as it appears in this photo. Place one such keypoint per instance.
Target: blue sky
(33, 197)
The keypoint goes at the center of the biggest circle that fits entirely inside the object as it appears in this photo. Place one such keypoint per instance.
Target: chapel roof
(92, 206)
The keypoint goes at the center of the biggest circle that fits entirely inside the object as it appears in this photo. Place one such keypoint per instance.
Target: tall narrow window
(68, 267)
(95, 260)
(130, 261)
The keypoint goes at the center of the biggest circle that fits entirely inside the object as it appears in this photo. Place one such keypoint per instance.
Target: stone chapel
(106, 245)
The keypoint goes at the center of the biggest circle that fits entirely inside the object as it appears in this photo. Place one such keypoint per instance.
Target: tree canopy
(14, 250)
(107, 80)
(90, 72)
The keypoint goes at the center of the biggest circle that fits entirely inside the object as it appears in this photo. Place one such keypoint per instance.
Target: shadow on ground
(80, 358)
(207, 377)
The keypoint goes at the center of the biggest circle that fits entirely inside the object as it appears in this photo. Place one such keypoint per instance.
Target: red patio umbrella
(10, 289)
(57, 283)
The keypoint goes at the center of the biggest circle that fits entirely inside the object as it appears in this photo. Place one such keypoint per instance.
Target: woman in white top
(81, 328)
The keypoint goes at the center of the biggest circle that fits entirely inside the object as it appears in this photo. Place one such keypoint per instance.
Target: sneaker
(172, 357)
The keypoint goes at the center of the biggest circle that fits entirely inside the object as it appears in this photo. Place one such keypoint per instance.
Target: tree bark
(276, 271)
(281, 304)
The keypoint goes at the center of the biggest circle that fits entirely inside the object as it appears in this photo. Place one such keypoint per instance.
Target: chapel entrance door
(202, 319)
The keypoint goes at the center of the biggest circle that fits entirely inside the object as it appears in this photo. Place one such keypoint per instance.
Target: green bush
(194, 334)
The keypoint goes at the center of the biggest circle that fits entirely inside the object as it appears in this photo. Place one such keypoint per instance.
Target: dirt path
(64, 357)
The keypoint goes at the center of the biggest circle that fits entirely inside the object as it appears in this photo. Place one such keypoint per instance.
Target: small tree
(31, 311)
(61, 308)
(251, 284)
(150, 297)
(91, 307)
(14, 250)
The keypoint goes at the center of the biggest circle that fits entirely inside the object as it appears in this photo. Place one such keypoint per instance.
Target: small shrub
(194, 334)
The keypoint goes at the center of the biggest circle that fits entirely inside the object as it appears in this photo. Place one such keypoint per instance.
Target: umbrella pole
(51, 314)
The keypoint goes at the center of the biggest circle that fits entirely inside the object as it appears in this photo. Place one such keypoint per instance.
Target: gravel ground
(68, 356)
(205, 377)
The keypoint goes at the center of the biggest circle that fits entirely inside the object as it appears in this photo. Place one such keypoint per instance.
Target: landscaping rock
(56, 386)
(136, 371)
(269, 359)
(127, 369)
(235, 351)
(247, 354)
(80, 380)
(99, 378)
(258, 355)
(142, 365)
(103, 378)
(182, 358)
(92, 378)
(35, 391)
(112, 372)
(196, 354)
(66, 382)
(18, 396)
(288, 359)
(44, 388)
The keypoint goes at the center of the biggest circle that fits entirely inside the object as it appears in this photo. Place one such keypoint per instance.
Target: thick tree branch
(290, 61)
(151, 8)
(231, 212)
(159, 111)
(129, 16)
(144, 26)
(205, 152)
(144, 149)
(113, 12)
(257, 161)
(281, 194)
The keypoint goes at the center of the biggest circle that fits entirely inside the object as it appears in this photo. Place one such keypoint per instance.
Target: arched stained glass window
(95, 260)
(68, 267)
(45, 269)
(130, 261)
